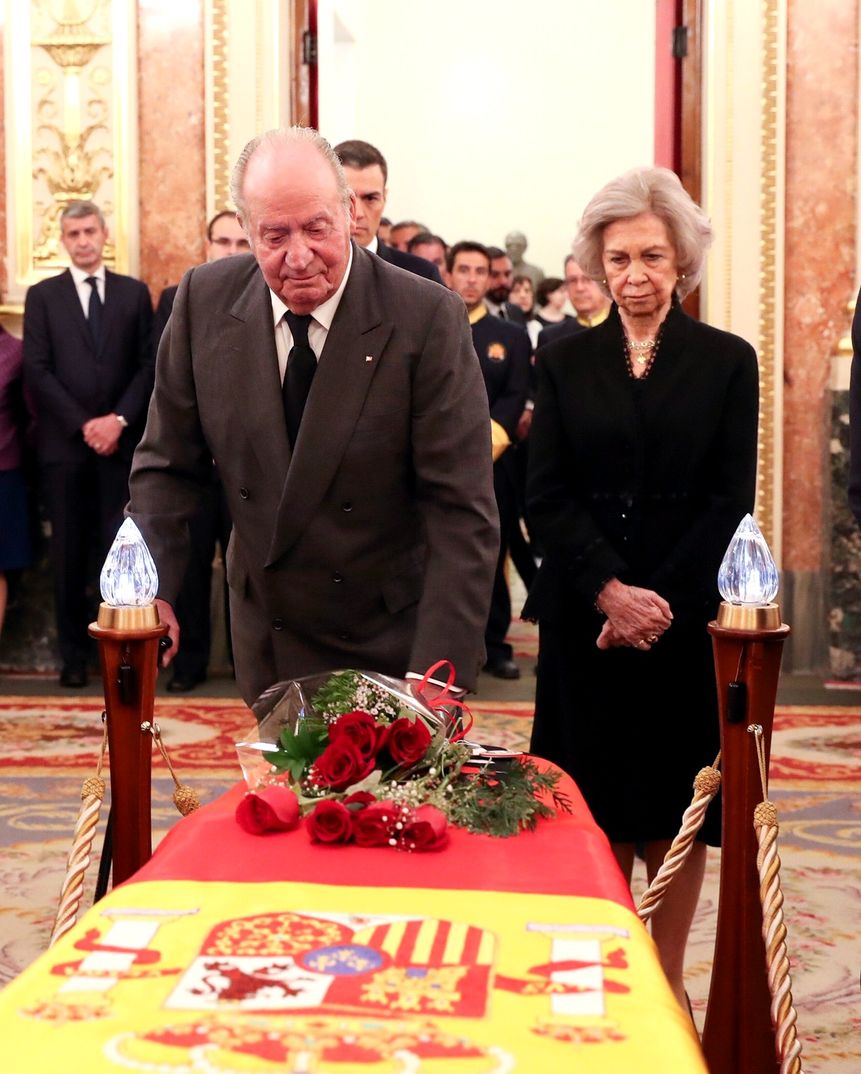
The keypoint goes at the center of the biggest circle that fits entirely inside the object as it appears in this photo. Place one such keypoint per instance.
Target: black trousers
(499, 618)
(521, 550)
(84, 502)
(210, 526)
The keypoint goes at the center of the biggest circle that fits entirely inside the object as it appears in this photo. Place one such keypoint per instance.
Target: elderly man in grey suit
(343, 404)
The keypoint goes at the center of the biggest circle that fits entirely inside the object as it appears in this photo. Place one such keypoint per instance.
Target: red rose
(271, 809)
(359, 799)
(330, 822)
(361, 729)
(427, 829)
(408, 741)
(373, 824)
(341, 764)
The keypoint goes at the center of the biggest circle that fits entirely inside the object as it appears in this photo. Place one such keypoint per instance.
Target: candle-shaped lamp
(129, 582)
(128, 631)
(747, 639)
(748, 581)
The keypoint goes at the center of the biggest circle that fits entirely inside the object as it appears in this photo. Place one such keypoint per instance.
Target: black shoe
(182, 682)
(74, 675)
(503, 669)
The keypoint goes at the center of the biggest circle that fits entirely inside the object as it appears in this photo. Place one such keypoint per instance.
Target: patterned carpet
(48, 745)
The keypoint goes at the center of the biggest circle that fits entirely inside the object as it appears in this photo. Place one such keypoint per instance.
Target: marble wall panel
(822, 103)
(172, 175)
(844, 596)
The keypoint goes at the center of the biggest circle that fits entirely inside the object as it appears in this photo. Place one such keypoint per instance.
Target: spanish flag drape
(235, 953)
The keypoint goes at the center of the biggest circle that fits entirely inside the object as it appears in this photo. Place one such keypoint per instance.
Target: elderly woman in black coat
(642, 463)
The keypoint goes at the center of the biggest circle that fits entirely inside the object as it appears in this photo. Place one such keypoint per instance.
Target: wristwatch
(121, 420)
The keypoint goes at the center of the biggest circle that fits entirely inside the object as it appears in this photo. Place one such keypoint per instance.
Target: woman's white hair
(646, 190)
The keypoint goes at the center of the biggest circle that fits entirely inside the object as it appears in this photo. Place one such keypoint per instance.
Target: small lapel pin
(369, 357)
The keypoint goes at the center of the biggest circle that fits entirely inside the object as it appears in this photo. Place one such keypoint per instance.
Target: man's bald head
(297, 211)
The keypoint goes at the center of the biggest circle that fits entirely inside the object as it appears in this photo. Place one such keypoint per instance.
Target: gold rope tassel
(92, 793)
(184, 798)
(783, 1013)
(706, 786)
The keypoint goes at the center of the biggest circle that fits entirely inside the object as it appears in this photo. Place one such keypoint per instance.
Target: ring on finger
(652, 638)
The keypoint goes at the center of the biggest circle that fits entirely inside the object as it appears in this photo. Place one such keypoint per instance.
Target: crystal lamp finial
(748, 573)
(129, 578)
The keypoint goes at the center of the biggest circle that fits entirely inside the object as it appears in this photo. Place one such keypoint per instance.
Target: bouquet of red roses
(373, 760)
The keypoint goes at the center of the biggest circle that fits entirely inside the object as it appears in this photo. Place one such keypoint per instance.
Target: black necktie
(301, 367)
(94, 310)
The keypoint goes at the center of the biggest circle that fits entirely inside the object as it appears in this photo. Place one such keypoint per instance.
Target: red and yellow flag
(187, 976)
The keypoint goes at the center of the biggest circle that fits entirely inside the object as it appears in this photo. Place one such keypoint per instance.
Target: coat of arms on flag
(333, 963)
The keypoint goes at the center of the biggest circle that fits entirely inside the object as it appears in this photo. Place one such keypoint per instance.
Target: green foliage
(502, 800)
(506, 800)
(349, 690)
(300, 748)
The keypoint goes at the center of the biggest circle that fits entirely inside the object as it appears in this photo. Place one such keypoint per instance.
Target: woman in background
(523, 295)
(14, 419)
(642, 463)
(551, 296)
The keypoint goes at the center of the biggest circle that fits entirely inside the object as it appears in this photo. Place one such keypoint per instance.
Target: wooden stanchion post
(738, 1037)
(128, 650)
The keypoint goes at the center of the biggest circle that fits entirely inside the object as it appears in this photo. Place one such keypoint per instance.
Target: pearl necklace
(643, 353)
(643, 348)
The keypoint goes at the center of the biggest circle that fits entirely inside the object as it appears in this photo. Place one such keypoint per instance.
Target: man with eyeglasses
(212, 524)
(590, 304)
(224, 237)
(368, 175)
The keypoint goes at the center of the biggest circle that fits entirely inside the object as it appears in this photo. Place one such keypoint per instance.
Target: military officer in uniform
(503, 351)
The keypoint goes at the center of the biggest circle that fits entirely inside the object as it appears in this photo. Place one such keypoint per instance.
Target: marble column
(821, 141)
(172, 177)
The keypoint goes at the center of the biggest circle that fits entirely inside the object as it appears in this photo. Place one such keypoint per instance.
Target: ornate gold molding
(247, 82)
(744, 195)
(70, 100)
(770, 225)
(219, 154)
(728, 189)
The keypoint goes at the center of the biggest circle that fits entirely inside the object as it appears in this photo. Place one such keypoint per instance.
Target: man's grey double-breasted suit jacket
(373, 546)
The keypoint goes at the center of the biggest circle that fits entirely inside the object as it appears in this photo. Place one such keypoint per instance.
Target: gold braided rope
(92, 793)
(783, 1013)
(184, 798)
(706, 786)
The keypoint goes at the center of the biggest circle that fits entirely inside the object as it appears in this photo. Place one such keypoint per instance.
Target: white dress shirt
(80, 277)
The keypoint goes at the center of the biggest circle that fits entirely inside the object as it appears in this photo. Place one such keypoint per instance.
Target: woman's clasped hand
(635, 617)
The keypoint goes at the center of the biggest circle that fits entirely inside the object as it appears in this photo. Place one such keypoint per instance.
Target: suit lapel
(109, 310)
(249, 345)
(345, 370)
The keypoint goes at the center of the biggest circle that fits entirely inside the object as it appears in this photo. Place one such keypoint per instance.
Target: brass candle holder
(747, 638)
(128, 632)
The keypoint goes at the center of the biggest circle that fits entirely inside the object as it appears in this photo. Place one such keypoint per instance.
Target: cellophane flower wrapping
(374, 759)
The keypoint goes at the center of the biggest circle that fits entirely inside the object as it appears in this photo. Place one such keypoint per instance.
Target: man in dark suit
(89, 366)
(590, 304)
(224, 236)
(211, 526)
(344, 408)
(503, 352)
(401, 234)
(431, 247)
(367, 174)
(499, 288)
